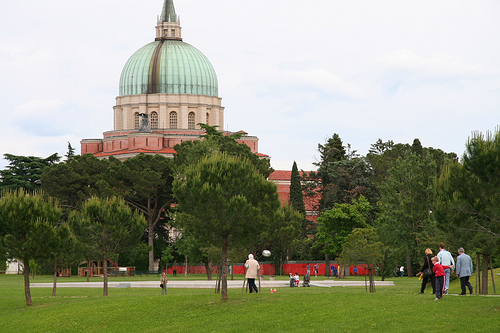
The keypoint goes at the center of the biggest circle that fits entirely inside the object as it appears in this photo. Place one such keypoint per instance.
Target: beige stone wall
(163, 104)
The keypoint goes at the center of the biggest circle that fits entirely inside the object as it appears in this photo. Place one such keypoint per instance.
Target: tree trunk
(105, 268)
(327, 266)
(224, 296)
(27, 292)
(485, 274)
(478, 277)
(493, 278)
(88, 270)
(408, 265)
(151, 245)
(372, 282)
(208, 268)
(54, 285)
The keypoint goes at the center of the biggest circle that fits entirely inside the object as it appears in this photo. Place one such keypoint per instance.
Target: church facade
(167, 88)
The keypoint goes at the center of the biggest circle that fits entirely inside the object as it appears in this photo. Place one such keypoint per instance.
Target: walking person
(438, 270)
(426, 270)
(252, 267)
(464, 270)
(163, 283)
(316, 268)
(445, 259)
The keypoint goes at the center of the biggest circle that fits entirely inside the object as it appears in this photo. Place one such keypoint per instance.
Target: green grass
(391, 309)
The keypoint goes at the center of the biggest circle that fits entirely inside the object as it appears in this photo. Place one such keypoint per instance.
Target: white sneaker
(436, 299)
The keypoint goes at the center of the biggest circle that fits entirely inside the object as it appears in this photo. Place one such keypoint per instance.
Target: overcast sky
(290, 72)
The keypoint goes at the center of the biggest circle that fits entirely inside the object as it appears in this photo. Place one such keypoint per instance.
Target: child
(292, 280)
(438, 270)
(297, 280)
(163, 283)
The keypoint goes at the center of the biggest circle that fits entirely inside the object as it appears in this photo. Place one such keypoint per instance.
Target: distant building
(167, 88)
(282, 178)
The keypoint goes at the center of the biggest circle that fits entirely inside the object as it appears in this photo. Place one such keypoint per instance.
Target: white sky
(290, 72)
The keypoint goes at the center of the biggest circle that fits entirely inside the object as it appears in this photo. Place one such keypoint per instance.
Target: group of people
(439, 268)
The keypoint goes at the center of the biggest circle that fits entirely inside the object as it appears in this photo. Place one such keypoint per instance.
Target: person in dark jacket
(425, 279)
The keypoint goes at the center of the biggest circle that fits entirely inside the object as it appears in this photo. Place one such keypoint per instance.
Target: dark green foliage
(71, 152)
(144, 181)
(362, 245)
(469, 196)
(189, 152)
(224, 202)
(77, 179)
(107, 226)
(337, 223)
(296, 195)
(405, 221)
(349, 178)
(25, 171)
(28, 224)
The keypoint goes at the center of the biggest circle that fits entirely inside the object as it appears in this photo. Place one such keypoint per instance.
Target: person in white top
(445, 259)
(252, 273)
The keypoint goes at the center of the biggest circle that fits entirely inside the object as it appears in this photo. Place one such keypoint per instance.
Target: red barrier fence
(267, 268)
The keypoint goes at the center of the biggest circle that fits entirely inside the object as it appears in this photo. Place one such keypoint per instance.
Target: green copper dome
(168, 66)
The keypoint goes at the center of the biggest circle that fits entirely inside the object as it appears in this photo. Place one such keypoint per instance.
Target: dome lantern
(168, 25)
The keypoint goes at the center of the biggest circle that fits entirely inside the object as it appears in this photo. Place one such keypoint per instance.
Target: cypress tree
(296, 197)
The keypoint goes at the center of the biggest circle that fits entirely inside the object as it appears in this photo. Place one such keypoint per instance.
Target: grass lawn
(397, 308)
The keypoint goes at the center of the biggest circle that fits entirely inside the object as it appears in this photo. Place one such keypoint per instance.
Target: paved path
(204, 284)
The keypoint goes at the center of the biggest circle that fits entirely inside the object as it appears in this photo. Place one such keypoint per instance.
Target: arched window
(208, 118)
(136, 120)
(191, 120)
(173, 120)
(154, 120)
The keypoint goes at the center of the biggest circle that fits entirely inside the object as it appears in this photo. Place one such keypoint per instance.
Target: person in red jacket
(439, 274)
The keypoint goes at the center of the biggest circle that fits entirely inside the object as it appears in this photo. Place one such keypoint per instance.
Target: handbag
(428, 271)
(161, 285)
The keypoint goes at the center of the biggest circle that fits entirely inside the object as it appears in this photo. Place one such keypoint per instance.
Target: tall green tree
(296, 195)
(63, 251)
(281, 234)
(337, 223)
(27, 228)
(25, 171)
(296, 200)
(319, 182)
(224, 202)
(109, 227)
(145, 182)
(362, 246)
(468, 195)
(404, 222)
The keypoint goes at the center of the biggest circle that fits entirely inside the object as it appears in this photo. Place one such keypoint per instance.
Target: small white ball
(266, 253)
